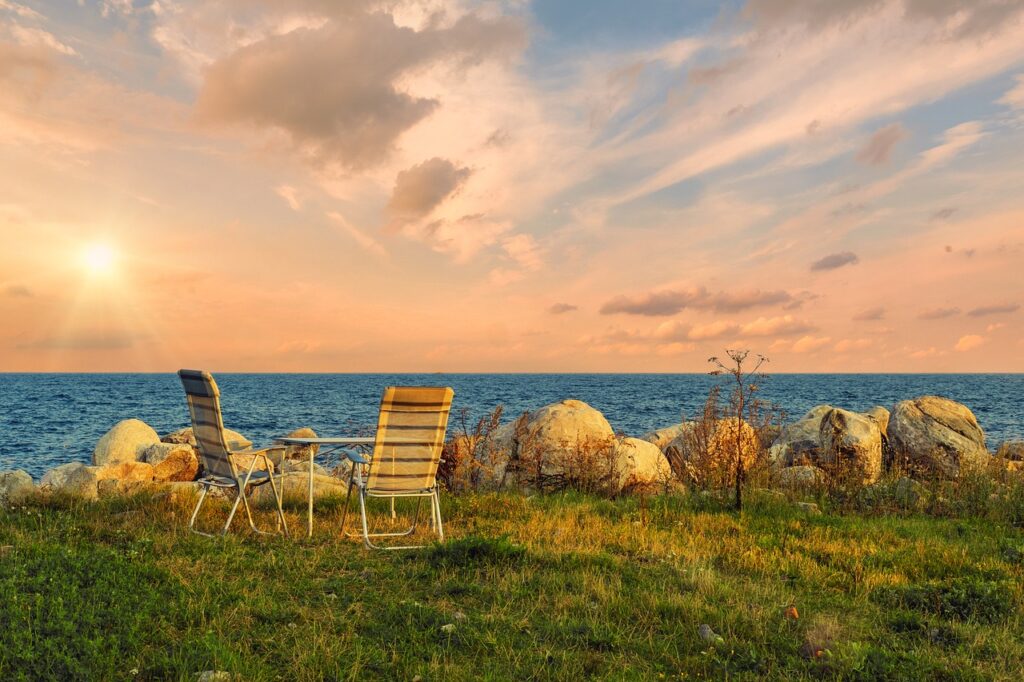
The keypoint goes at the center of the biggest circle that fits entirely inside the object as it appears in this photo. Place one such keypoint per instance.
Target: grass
(553, 587)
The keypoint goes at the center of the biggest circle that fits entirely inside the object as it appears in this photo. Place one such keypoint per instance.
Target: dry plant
(471, 457)
(588, 465)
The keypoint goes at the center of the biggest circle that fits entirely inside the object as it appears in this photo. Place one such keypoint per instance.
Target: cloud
(785, 325)
(776, 326)
(37, 37)
(562, 308)
(358, 236)
(17, 291)
(994, 310)
(1014, 97)
(880, 145)
(669, 302)
(938, 313)
(835, 260)
(809, 344)
(291, 195)
(969, 342)
(942, 214)
(335, 88)
(20, 10)
(847, 345)
(422, 188)
(524, 250)
(870, 314)
(995, 327)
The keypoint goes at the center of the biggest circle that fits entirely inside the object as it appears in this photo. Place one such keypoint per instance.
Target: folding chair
(217, 458)
(406, 452)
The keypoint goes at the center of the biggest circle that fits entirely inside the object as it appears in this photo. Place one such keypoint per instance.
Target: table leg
(309, 522)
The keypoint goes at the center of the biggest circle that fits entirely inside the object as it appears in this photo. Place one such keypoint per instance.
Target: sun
(98, 258)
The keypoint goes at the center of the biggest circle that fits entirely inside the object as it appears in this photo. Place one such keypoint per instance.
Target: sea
(51, 419)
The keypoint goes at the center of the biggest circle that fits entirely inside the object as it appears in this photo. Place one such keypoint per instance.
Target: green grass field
(556, 587)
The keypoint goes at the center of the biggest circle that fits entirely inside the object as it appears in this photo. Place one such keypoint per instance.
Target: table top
(345, 440)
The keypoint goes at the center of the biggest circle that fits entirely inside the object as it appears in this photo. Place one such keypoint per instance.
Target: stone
(1012, 450)
(642, 466)
(126, 472)
(663, 436)
(296, 485)
(556, 436)
(124, 442)
(881, 417)
(848, 440)
(937, 436)
(216, 676)
(172, 461)
(799, 443)
(301, 466)
(712, 454)
(809, 508)
(300, 451)
(801, 476)
(15, 487)
(73, 478)
(235, 440)
(909, 493)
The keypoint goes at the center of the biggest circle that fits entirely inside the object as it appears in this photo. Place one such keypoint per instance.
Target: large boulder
(555, 439)
(706, 452)
(300, 451)
(881, 417)
(171, 462)
(799, 442)
(73, 478)
(1012, 450)
(937, 436)
(124, 443)
(15, 486)
(296, 485)
(641, 465)
(235, 440)
(850, 441)
(126, 472)
(663, 436)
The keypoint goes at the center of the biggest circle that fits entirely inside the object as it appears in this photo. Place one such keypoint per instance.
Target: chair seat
(257, 478)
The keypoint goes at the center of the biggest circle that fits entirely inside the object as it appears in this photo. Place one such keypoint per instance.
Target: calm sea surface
(50, 419)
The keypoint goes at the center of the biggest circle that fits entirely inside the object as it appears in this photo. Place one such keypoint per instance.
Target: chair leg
(231, 516)
(195, 513)
(362, 512)
(436, 506)
(348, 499)
(282, 522)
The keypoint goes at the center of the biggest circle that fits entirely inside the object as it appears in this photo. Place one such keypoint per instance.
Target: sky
(511, 185)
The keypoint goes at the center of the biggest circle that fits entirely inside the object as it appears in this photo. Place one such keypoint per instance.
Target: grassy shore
(554, 587)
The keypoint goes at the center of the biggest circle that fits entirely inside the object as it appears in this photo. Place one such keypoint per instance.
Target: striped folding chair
(219, 467)
(406, 452)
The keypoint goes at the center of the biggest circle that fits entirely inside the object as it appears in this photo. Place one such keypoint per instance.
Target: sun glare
(98, 258)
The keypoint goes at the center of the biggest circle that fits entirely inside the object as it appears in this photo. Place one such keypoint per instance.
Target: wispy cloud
(835, 260)
(994, 310)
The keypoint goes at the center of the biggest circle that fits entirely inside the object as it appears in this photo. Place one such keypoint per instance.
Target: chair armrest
(356, 458)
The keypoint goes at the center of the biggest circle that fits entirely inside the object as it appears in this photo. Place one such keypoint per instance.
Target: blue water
(50, 419)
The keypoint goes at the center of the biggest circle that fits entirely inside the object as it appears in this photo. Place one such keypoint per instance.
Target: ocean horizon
(51, 418)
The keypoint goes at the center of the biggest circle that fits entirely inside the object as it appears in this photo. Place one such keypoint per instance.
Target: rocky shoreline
(929, 436)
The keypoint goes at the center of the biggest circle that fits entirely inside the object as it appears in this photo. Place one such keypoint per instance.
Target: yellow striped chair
(218, 459)
(406, 453)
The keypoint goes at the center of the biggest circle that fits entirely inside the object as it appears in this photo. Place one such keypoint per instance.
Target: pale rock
(15, 487)
(937, 436)
(124, 442)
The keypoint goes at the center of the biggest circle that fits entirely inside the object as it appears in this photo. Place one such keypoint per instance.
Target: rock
(296, 485)
(937, 436)
(216, 676)
(909, 493)
(808, 508)
(708, 635)
(73, 478)
(711, 454)
(126, 472)
(663, 436)
(172, 461)
(642, 466)
(1012, 450)
(235, 440)
(853, 440)
(881, 417)
(300, 451)
(301, 466)
(799, 442)
(124, 443)
(802, 476)
(556, 437)
(15, 486)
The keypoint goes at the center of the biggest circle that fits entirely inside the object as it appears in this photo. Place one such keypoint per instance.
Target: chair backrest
(410, 437)
(207, 424)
